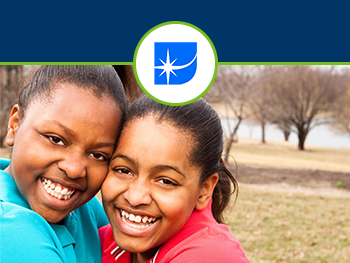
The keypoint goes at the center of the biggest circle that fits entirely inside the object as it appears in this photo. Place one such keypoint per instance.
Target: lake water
(322, 135)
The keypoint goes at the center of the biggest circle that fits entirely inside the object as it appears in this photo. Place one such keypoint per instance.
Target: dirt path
(284, 188)
(291, 180)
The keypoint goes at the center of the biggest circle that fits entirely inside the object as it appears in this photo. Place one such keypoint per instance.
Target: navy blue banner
(109, 31)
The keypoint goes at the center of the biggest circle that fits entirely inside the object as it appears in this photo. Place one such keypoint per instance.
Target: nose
(74, 165)
(138, 193)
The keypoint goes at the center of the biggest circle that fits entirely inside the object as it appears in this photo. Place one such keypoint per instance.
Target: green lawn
(286, 227)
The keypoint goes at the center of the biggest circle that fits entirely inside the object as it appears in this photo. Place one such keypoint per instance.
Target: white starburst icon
(168, 66)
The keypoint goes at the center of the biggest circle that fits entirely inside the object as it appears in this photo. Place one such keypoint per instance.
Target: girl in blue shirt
(62, 133)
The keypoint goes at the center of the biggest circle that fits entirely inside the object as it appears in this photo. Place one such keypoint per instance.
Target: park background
(293, 193)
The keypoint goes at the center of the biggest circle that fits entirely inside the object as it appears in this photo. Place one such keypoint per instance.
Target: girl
(62, 133)
(167, 188)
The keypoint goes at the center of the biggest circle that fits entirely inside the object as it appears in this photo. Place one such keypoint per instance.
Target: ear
(206, 191)
(13, 125)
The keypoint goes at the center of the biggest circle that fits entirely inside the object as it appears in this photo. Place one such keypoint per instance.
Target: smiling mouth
(137, 221)
(57, 190)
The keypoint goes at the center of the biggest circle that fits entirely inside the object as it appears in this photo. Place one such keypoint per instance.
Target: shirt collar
(9, 191)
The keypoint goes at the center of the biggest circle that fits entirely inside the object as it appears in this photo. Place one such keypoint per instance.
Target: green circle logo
(175, 63)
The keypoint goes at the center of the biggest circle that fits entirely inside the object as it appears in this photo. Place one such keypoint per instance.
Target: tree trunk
(302, 137)
(231, 140)
(236, 129)
(2, 141)
(286, 135)
(263, 132)
(228, 148)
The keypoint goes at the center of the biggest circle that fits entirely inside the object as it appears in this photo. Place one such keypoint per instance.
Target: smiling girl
(167, 188)
(62, 133)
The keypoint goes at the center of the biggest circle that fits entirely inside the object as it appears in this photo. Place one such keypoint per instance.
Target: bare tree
(232, 87)
(340, 115)
(285, 126)
(261, 108)
(9, 78)
(301, 94)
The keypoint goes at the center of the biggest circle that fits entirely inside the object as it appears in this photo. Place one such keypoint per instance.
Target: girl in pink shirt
(167, 188)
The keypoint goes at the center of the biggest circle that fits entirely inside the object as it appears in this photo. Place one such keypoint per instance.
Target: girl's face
(151, 188)
(61, 149)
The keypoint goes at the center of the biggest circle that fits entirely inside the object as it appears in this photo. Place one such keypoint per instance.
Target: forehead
(151, 137)
(47, 93)
(75, 108)
(67, 93)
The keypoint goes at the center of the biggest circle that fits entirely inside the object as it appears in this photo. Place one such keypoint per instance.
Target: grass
(282, 227)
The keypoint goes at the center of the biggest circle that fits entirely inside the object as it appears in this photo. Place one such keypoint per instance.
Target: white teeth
(138, 218)
(55, 190)
(58, 189)
(136, 226)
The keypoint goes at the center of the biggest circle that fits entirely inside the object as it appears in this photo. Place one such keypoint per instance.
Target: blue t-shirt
(25, 236)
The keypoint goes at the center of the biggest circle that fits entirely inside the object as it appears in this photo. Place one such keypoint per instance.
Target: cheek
(173, 205)
(109, 189)
(96, 178)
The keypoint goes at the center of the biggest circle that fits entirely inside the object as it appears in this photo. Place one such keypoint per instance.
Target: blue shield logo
(175, 63)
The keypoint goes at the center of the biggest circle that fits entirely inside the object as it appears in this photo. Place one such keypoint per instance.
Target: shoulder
(106, 236)
(110, 250)
(4, 163)
(12, 214)
(26, 233)
(211, 244)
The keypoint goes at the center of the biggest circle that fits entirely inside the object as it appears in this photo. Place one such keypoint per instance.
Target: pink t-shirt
(201, 240)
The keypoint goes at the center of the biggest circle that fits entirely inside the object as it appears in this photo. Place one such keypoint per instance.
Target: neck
(9, 170)
(144, 256)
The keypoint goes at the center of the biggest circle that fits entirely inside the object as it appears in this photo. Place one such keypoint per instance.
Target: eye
(99, 156)
(122, 171)
(167, 182)
(56, 140)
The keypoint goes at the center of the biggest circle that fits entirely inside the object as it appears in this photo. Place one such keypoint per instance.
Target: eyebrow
(158, 167)
(104, 144)
(68, 130)
(126, 158)
(168, 167)
(73, 134)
